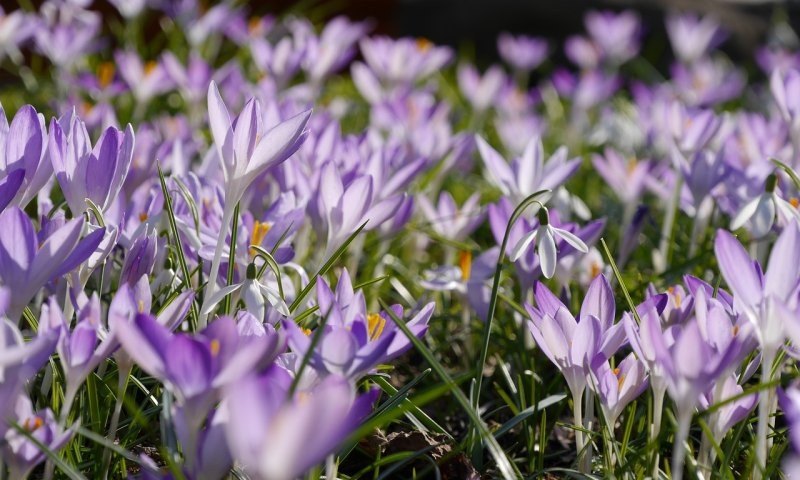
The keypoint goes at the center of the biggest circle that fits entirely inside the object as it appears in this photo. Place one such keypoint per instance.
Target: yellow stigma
(105, 74)
(678, 299)
(143, 216)
(594, 270)
(141, 306)
(253, 25)
(794, 201)
(620, 381)
(260, 230)
(465, 264)
(735, 330)
(149, 67)
(423, 44)
(214, 347)
(87, 107)
(375, 324)
(307, 331)
(32, 424)
(632, 163)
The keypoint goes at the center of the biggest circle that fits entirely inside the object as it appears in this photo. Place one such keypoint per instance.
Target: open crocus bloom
(277, 434)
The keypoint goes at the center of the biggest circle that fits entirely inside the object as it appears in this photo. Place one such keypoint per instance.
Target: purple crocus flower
(192, 79)
(469, 278)
(404, 60)
(619, 386)
(767, 300)
(572, 343)
(22, 157)
(140, 258)
(196, 366)
(26, 264)
(145, 79)
(731, 413)
(20, 360)
(345, 206)
(81, 349)
(85, 172)
(530, 172)
(20, 453)
(481, 91)
(246, 151)
(447, 219)
(66, 32)
(352, 343)
(616, 34)
(522, 52)
(693, 37)
(334, 48)
(277, 436)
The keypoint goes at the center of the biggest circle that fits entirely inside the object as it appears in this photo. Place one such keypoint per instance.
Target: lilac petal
(188, 365)
(338, 350)
(17, 245)
(24, 142)
(585, 341)
(545, 300)
(691, 354)
(245, 132)
(355, 201)
(173, 314)
(82, 343)
(278, 143)
(9, 187)
(85, 248)
(220, 121)
(252, 404)
(497, 168)
(599, 301)
(55, 250)
(374, 352)
(101, 166)
(146, 342)
(555, 341)
(738, 269)
(783, 274)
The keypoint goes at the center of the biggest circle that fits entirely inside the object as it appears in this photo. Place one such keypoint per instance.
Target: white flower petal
(522, 245)
(571, 238)
(547, 253)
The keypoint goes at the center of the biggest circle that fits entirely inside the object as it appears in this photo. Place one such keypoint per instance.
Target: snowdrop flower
(761, 211)
(545, 238)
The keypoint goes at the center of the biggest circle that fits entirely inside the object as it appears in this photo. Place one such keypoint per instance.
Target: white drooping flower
(545, 237)
(760, 212)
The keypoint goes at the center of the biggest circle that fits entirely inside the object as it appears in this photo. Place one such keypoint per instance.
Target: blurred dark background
(473, 25)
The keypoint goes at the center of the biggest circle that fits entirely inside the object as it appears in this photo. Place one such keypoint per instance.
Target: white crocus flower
(253, 293)
(761, 211)
(545, 238)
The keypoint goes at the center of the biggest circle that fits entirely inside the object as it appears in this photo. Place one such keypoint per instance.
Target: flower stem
(666, 231)
(577, 412)
(679, 451)
(211, 286)
(658, 410)
(588, 424)
(122, 384)
(763, 414)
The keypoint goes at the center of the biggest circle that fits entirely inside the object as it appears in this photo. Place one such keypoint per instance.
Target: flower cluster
(227, 250)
